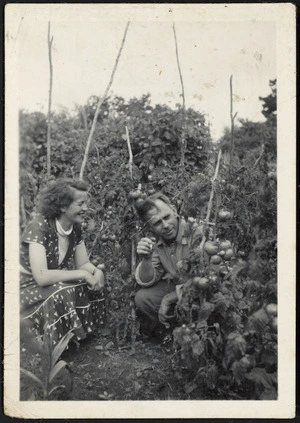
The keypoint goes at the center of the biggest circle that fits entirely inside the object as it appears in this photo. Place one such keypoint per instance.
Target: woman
(56, 274)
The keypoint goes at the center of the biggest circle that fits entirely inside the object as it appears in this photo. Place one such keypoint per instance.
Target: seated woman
(56, 274)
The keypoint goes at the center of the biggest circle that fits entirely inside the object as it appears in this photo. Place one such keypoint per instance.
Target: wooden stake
(23, 212)
(183, 142)
(130, 152)
(209, 207)
(50, 41)
(232, 117)
(100, 102)
(260, 155)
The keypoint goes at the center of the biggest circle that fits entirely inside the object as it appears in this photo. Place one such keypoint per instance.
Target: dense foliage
(225, 338)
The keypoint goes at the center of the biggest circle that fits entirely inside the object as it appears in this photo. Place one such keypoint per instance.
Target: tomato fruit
(224, 245)
(213, 278)
(271, 309)
(139, 201)
(201, 283)
(228, 254)
(224, 215)
(135, 194)
(215, 259)
(101, 266)
(211, 248)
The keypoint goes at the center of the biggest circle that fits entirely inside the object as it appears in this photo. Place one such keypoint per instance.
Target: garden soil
(101, 370)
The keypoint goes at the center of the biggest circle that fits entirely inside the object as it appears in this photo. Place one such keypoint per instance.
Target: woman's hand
(99, 275)
(94, 282)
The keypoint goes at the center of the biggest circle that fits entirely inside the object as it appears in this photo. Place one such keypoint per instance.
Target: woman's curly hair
(57, 195)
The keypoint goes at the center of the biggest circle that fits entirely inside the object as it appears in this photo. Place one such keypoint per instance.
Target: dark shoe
(160, 335)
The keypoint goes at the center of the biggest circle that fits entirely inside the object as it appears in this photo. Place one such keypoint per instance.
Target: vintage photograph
(150, 181)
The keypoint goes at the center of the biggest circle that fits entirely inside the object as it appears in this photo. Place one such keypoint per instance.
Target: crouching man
(159, 256)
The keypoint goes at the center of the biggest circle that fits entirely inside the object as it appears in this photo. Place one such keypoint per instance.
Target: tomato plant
(225, 341)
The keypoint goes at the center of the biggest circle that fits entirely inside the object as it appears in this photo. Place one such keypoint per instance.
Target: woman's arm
(82, 262)
(43, 276)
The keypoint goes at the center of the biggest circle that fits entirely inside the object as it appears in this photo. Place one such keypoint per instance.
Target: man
(160, 256)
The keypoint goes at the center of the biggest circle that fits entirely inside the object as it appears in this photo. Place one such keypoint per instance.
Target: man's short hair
(149, 204)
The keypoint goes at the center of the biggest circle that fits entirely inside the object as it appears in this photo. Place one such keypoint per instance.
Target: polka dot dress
(65, 305)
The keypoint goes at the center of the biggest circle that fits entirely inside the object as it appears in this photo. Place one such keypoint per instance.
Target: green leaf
(268, 394)
(60, 347)
(198, 348)
(56, 369)
(55, 389)
(91, 225)
(262, 378)
(32, 376)
(190, 387)
(238, 369)
(205, 311)
(235, 348)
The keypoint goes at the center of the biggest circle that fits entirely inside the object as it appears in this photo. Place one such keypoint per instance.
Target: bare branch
(183, 141)
(49, 102)
(100, 102)
(260, 155)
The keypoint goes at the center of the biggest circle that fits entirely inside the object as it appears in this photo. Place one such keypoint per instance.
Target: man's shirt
(166, 256)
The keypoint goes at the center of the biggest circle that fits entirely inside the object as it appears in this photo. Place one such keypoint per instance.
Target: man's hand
(165, 305)
(145, 247)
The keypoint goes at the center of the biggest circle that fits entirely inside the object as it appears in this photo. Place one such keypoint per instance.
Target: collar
(60, 229)
(180, 233)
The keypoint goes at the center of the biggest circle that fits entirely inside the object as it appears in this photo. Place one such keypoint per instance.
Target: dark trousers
(148, 300)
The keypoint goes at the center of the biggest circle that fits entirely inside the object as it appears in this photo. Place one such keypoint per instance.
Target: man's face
(163, 221)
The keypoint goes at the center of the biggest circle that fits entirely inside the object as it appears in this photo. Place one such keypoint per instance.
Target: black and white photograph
(150, 210)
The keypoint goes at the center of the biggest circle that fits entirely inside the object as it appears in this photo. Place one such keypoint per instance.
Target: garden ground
(101, 370)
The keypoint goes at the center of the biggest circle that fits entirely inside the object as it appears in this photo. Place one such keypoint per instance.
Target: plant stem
(100, 102)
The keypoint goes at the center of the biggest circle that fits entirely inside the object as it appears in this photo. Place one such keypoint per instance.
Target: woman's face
(75, 213)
